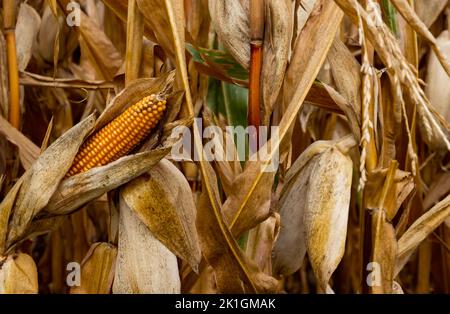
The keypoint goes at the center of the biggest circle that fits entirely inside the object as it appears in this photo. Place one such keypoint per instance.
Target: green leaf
(219, 64)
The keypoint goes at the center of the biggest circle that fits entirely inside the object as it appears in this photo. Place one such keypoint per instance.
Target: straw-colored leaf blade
(419, 230)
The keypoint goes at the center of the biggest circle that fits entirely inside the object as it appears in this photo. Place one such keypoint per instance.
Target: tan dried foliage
(361, 171)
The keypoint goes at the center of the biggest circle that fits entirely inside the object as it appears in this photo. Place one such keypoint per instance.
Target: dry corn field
(225, 146)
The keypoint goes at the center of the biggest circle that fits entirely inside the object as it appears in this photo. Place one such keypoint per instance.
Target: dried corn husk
(326, 212)
(42, 192)
(314, 208)
(97, 270)
(162, 199)
(144, 265)
(18, 274)
(438, 81)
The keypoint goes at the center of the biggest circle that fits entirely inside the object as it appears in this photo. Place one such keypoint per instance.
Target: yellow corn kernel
(120, 136)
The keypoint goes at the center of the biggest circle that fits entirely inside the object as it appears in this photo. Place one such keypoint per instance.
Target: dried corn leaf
(53, 35)
(97, 270)
(347, 76)
(402, 186)
(428, 11)
(230, 20)
(278, 33)
(310, 51)
(302, 11)
(419, 230)
(4, 82)
(104, 56)
(248, 205)
(28, 151)
(18, 274)
(162, 199)
(41, 180)
(404, 8)
(352, 114)
(381, 200)
(120, 9)
(144, 265)
(27, 27)
(221, 250)
(384, 250)
(158, 14)
(261, 241)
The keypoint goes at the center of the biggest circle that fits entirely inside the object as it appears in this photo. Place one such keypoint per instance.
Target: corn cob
(120, 136)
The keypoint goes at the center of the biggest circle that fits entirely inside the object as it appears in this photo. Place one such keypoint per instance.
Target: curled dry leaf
(353, 117)
(408, 13)
(261, 240)
(27, 27)
(278, 33)
(231, 22)
(158, 14)
(102, 53)
(28, 151)
(402, 186)
(228, 168)
(18, 274)
(384, 194)
(97, 270)
(248, 205)
(144, 265)
(347, 76)
(53, 36)
(162, 199)
(221, 250)
(419, 230)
